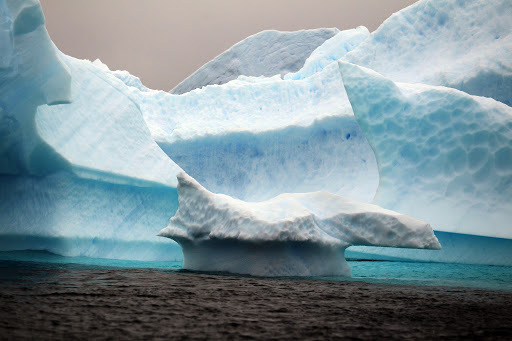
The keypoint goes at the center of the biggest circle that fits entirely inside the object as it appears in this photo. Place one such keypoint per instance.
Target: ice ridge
(266, 53)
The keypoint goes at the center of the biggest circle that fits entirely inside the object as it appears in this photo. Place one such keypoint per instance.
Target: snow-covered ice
(266, 53)
(300, 234)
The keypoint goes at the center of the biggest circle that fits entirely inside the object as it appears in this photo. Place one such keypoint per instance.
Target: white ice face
(266, 53)
(466, 45)
(444, 156)
(302, 234)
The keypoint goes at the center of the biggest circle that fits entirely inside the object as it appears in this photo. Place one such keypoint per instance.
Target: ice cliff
(301, 234)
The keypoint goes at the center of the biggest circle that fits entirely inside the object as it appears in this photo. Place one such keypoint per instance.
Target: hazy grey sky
(163, 42)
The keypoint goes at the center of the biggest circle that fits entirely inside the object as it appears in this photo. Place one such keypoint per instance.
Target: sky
(163, 42)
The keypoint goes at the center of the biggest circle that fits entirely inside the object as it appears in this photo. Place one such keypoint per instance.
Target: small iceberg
(293, 234)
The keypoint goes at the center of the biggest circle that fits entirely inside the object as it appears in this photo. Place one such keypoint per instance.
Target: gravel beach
(97, 303)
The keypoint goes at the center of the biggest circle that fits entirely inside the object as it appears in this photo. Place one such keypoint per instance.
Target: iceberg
(89, 156)
(444, 156)
(266, 53)
(466, 45)
(300, 234)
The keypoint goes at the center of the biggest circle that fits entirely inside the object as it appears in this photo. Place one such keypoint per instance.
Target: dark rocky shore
(99, 303)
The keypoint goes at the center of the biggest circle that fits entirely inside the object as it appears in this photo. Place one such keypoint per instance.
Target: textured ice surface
(301, 234)
(330, 51)
(31, 74)
(444, 156)
(254, 138)
(70, 216)
(461, 44)
(266, 53)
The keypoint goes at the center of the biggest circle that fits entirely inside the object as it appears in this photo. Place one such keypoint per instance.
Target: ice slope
(466, 45)
(102, 133)
(266, 53)
(302, 234)
(31, 74)
(254, 138)
(330, 51)
(444, 156)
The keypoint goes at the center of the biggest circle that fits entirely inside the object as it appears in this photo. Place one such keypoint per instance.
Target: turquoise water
(383, 272)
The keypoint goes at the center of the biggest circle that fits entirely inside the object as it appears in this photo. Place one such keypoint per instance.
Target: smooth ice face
(465, 45)
(330, 51)
(266, 53)
(31, 74)
(102, 133)
(443, 155)
(302, 234)
(254, 138)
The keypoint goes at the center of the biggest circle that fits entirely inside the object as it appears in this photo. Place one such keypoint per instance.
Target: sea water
(378, 272)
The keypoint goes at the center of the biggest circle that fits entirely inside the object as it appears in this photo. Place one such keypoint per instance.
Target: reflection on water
(34, 267)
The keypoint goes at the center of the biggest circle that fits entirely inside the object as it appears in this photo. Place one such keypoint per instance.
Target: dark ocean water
(383, 272)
